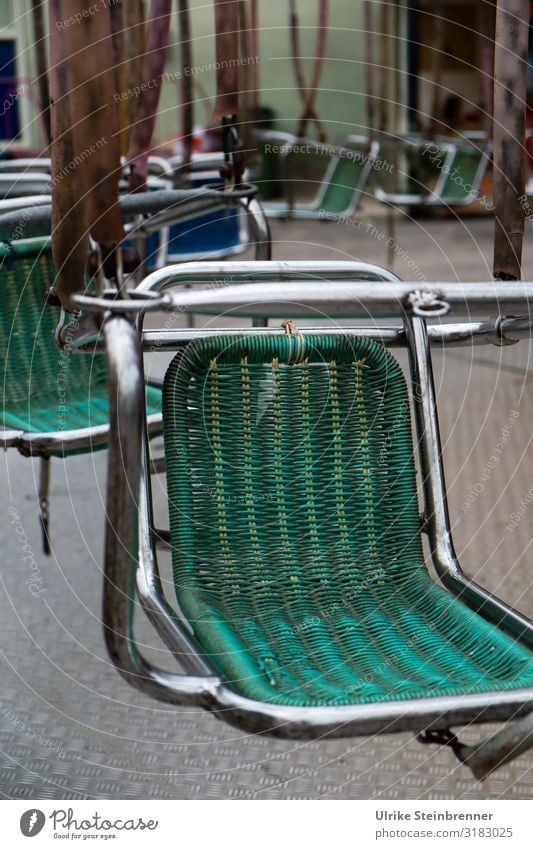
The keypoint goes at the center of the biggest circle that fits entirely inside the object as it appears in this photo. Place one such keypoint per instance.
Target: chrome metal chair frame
(25, 165)
(157, 165)
(18, 184)
(436, 196)
(156, 210)
(39, 213)
(311, 210)
(130, 549)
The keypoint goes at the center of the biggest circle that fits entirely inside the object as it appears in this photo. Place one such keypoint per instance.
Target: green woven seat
(295, 531)
(341, 187)
(431, 176)
(461, 184)
(45, 389)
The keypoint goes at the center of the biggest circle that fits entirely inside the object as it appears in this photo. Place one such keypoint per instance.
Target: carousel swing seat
(55, 403)
(296, 537)
(302, 603)
(342, 186)
(455, 172)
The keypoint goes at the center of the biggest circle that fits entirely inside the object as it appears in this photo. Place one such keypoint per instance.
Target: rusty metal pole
(187, 106)
(397, 68)
(228, 94)
(369, 66)
(510, 84)
(435, 123)
(39, 37)
(384, 67)
(227, 59)
(314, 87)
(254, 68)
(246, 109)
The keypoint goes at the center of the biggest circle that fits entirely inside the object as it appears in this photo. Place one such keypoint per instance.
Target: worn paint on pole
(510, 85)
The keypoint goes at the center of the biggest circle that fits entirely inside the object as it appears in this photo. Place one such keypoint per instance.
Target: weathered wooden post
(510, 84)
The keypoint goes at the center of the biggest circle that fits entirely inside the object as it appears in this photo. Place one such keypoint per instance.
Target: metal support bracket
(484, 758)
(44, 504)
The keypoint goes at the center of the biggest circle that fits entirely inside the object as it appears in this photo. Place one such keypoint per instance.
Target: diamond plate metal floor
(71, 729)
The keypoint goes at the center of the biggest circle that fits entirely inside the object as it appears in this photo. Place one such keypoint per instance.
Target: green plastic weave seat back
(267, 170)
(44, 389)
(344, 183)
(342, 180)
(419, 169)
(295, 532)
(24, 228)
(463, 179)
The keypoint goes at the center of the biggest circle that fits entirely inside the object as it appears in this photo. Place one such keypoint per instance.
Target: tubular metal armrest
(143, 203)
(126, 393)
(21, 177)
(349, 291)
(38, 444)
(217, 275)
(157, 165)
(176, 214)
(436, 517)
(16, 185)
(465, 334)
(25, 165)
(276, 136)
(398, 198)
(200, 205)
(212, 274)
(24, 203)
